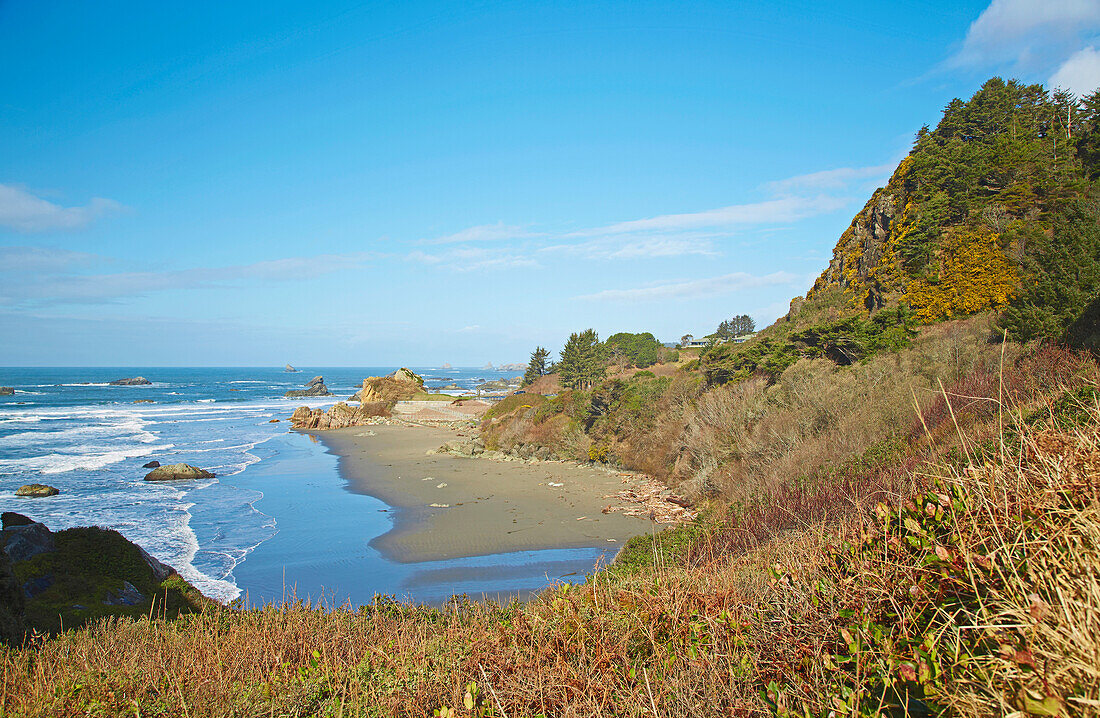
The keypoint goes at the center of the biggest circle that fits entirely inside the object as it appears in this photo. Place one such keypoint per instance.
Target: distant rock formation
(7, 390)
(401, 384)
(511, 367)
(446, 366)
(376, 398)
(339, 416)
(316, 387)
(77, 576)
(37, 490)
(291, 369)
(132, 381)
(175, 472)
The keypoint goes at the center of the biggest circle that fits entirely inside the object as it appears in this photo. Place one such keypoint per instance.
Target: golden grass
(977, 593)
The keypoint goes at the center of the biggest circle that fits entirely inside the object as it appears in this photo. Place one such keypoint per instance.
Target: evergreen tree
(583, 361)
(736, 326)
(536, 367)
(1064, 271)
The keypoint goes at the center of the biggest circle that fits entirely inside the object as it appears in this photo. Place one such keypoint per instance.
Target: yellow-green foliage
(974, 275)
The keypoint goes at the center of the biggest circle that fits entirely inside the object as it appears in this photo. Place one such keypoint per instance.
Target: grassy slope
(843, 616)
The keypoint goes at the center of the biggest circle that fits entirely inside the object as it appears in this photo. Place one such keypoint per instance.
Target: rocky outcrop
(50, 582)
(401, 384)
(177, 472)
(151, 465)
(37, 490)
(314, 387)
(291, 369)
(132, 381)
(339, 416)
(24, 538)
(7, 390)
(376, 398)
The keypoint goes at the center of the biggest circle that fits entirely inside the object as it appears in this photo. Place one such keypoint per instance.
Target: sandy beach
(451, 507)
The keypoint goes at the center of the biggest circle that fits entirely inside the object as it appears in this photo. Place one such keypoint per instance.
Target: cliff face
(864, 263)
(972, 217)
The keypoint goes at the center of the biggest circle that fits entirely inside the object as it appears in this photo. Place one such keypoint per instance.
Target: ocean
(277, 521)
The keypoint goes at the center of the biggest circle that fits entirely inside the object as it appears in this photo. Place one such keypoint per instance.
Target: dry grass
(972, 589)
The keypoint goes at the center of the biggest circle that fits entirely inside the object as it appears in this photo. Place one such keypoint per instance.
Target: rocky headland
(66, 579)
(314, 387)
(376, 398)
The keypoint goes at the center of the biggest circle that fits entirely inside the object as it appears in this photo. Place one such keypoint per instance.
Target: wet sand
(446, 507)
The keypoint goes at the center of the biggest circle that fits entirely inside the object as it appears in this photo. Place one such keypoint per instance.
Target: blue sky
(415, 183)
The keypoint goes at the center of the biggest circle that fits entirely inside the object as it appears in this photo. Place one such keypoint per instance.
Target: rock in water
(151, 465)
(290, 368)
(7, 390)
(132, 381)
(316, 388)
(176, 472)
(37, 490)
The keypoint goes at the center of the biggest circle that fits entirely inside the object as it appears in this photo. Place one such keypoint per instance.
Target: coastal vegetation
(899, 485)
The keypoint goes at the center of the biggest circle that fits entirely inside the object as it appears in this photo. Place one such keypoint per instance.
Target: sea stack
(7, 390)
(291, 369)
(316, 387)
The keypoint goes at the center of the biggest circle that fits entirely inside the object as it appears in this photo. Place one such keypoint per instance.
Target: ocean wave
(56, 463)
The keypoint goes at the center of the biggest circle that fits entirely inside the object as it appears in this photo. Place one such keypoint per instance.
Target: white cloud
(709, 287)
(773, 211)
(41, 259)
(1028, 33)
(638, 247)
(1080, 74)
(25, 212)
(840, 178)
(467, 259)
(484, 233)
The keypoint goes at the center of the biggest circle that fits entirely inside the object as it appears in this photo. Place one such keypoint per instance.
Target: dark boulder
(128, 595)
(316, 387)
(10, 518)
(25, 541)
(151, 465)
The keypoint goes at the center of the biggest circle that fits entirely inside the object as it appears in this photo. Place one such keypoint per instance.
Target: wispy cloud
(42, 259)
(1033, 35)
(484, 233)
(23, 211)
(637, 247)
(709, 287)
(53, 286)
(772, 211)
(468, 259)
(839, 178)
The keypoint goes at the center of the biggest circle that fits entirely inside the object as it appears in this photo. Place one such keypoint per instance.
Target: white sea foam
(57, 463)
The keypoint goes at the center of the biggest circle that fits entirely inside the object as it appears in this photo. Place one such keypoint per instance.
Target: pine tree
(582, 360)
(536, 367)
